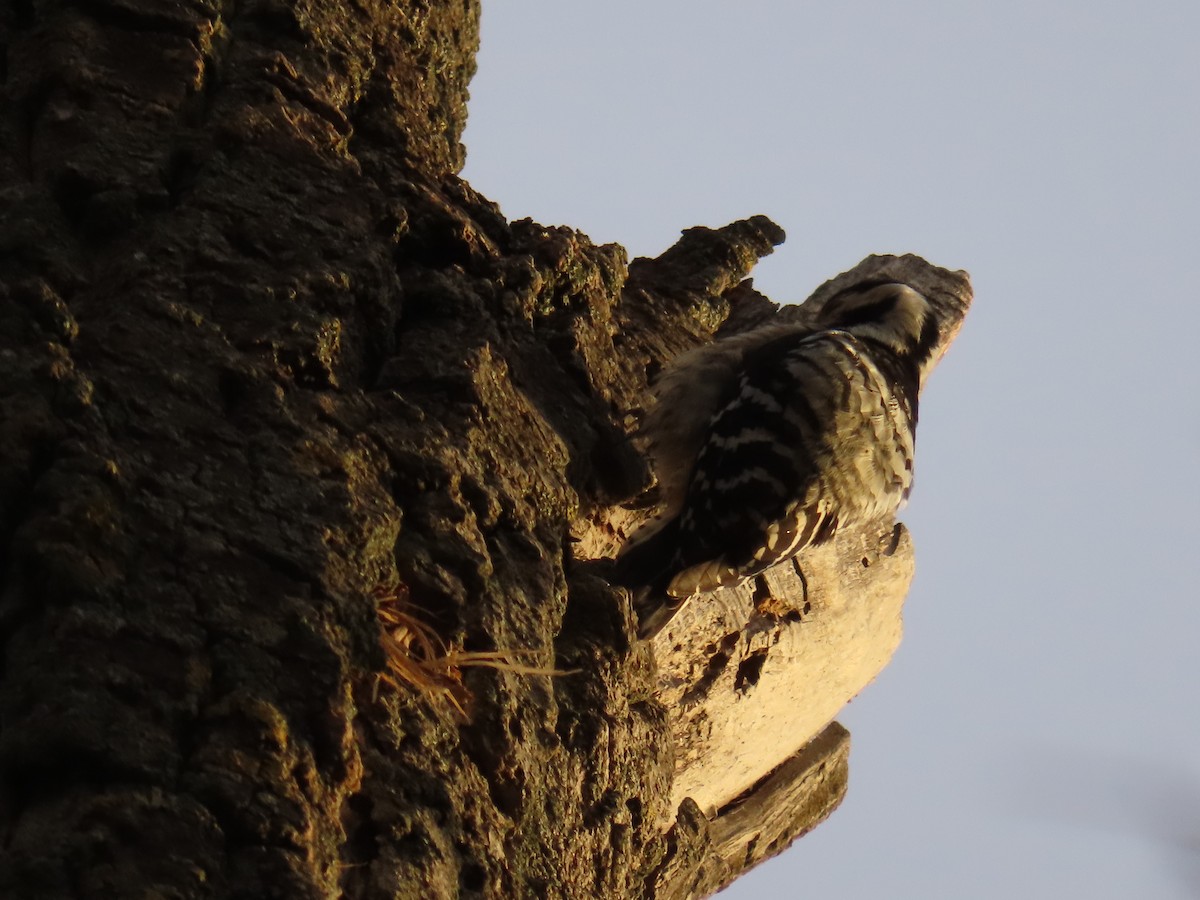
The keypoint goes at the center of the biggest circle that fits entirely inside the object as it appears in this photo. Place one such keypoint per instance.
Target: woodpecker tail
(645, 566)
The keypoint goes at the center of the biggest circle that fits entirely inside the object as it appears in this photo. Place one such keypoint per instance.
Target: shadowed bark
(262, 354)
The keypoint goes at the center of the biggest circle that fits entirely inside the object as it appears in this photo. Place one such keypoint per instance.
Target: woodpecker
(773, 440)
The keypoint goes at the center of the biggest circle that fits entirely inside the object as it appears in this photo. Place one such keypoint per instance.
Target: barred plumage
(791, 433)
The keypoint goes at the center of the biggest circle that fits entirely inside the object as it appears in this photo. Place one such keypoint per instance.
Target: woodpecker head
(889, 313)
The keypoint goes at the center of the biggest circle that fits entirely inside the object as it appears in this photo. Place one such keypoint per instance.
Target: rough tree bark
(262, 353)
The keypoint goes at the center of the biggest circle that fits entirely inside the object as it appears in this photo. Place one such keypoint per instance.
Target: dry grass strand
(419, 659)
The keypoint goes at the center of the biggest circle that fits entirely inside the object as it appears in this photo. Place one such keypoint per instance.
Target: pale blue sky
(1037, 735)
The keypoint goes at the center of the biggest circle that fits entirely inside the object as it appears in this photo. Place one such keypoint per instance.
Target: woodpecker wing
(815, 438)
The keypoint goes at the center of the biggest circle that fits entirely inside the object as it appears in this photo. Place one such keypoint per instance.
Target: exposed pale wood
(785, 805)
(705, 854)
(748, 681)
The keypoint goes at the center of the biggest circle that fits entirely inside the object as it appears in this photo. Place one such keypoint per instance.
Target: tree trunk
(269, 369)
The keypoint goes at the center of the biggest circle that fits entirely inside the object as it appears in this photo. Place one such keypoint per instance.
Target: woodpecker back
(807, 429)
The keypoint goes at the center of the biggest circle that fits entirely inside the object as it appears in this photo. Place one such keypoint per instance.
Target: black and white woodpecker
(770, 441)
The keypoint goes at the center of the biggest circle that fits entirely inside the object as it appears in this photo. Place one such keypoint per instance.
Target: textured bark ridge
(261, 353)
